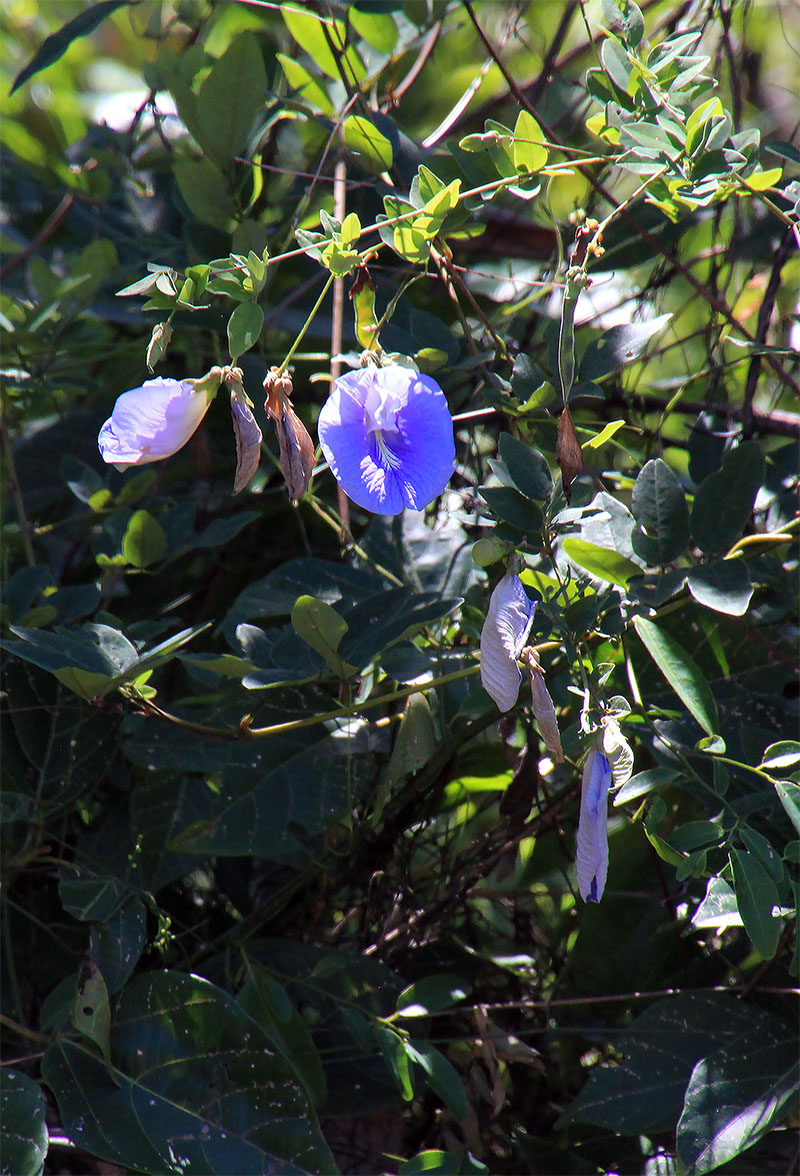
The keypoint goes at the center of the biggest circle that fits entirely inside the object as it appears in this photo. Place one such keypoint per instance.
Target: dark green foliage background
(282, 891)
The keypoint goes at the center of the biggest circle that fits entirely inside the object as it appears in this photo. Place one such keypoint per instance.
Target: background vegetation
(283, 892)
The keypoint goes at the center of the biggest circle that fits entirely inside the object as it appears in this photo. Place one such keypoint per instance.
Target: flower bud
(592, 847)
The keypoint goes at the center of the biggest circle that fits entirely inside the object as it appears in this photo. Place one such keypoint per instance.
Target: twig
(715, 302)
(46, 231)
(337, 325)
(782, 255)
(24, 525)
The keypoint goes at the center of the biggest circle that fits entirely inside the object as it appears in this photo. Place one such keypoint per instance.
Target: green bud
(487, 551)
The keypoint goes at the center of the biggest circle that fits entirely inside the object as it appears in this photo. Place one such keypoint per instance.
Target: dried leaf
(517, 799)
(569, 454)
(296, 447)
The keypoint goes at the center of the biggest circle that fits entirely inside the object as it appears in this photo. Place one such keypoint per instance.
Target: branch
(715, 302)
(764, 316)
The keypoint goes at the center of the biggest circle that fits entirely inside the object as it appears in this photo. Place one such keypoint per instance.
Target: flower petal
(387, 435)
(151, 422)
(503, 635)
(592, 847)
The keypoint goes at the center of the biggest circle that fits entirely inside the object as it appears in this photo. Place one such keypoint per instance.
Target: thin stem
(637, 192)
(349, 541)
(282, 368)
(337, 323)
(344, 711)
(23, 1030)
(24, 525)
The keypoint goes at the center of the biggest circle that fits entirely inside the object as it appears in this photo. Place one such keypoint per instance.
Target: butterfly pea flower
(387, 435)
(156, 420)
(503, 636)
(592, 848)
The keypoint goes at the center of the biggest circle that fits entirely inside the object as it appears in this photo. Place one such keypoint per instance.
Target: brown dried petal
(544, 710)
(296, 447)
(545, 715)
(248, 440)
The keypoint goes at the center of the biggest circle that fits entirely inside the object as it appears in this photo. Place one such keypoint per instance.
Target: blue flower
(387, 435)
(503, 635)
(156, 420)
(592, 849)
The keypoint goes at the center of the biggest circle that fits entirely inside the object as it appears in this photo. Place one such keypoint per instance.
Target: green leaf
(723, 585)
(681, 671)
(244, 328)
(267, 1002)
(781, 755)
(764, 850)
(416, 740)
(529, 153)
(88, 896)
(432, 994)
(378, 28)
(387, 617)
(144, 541)
(323, 629)
(510, 506)
(309, 32)
(528, 468)
(600, 561)
(605, 434)
(789, 796)
(206, 192)
(719, 908)
(230, 98)
(196, 1087)
(56, 45)
(222, 531)
(97, 649)
(91, 1013)
(394, 1054)
(308, 87)
(618, 345)
(661, 1047)
(625, 17)
(372, 150)
(663, 848)
(116, 943)
(736, 1094)
(724, 500)
(442, 1075)
(659, 506)
(756, 895)
(23, 1130)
